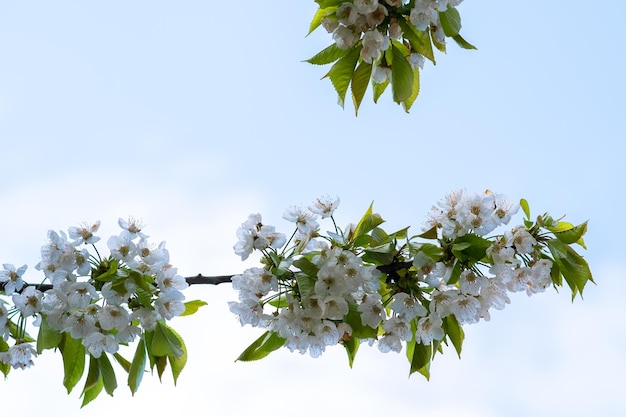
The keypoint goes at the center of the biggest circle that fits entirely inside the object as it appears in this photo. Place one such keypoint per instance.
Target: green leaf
(137, 367)
(401, 76)
(369, 221)
(142, 281)
(379, 89)
(429, 234)
(419, 40)
(5, 368)
(327, 55)
(419, 356)
(148, 337)
(93, 383)
(263, 346)
(192, 307)
(340, 73)
(525, 207)
(572, 266)
(457, 270)
(124, 363)
(379, 237)
(360, 81)
(306, 285)
(279, 302)
(177, 363)
(470, 247)
(430, 250)
(455, 332)
(319, 15)
(440, 46)
(144, 297)
(383, 254)
(408, 103)
(359, 330)
(47, 337)
(328, 3)
(306, 266)
(107, 271)
(352, 346)
(462, 42)
(165, 341)
(161, 364)
(450, 21)
(108, 374)
(555, 275)
(572, 235)
(400, 234)
(73, 353)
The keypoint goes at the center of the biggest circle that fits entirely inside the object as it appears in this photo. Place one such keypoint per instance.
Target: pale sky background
(192, 115)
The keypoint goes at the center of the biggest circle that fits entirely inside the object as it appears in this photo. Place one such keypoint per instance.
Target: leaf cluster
(349, 71)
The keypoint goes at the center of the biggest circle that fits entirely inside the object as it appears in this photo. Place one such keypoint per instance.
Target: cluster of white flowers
(311, 315)
(471, 298)
(461, 212)
(425, 14)
(253, 234)
(140, 288)
(313, 320)
(375, 23)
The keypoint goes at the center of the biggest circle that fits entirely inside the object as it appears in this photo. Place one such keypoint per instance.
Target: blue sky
(191, 116)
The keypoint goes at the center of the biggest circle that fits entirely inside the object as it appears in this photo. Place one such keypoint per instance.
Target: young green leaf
(401, 76)
(470, 247)
(319, 15)
(327, 55)
(573, 234)
(73, 353)
(5, 368)
(108, 374)
(352, 346)
(572, 266)
(328, 3)
(525, 207)
(47, 337)
(192, 306)
(420, 356)
(462, 42)
(177, 363)
(360, 81)
(124, 363)
(379, 89)
(306, 266)
(369, 221)
(359, 330)
(165, 341)
(450, 21)
(306, 284)
(93, 383)
(408, 103)
(455, 332)
(419, 40)
(340, 73)
(137, 367)
(107, 271)
(161, 364)
(263, 346)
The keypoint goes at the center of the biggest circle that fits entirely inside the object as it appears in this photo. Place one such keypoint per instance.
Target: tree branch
(220, 279)
(198, 279)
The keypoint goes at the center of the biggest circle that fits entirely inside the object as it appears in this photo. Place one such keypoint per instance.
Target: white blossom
(12, 278)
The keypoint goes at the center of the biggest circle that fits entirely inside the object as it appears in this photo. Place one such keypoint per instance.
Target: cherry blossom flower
(12, 278)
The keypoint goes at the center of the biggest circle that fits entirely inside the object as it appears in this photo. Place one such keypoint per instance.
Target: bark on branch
(198, 279)
(220, 279)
